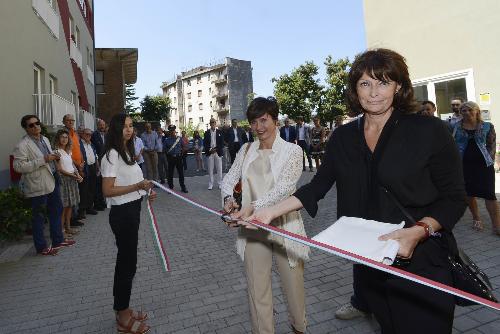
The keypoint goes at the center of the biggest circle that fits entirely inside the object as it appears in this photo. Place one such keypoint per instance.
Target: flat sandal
(133, 327)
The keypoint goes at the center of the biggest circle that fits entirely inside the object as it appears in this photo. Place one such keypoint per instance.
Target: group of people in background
(61, 179)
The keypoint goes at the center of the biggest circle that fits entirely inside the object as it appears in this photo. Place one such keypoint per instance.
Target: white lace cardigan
(286, 167)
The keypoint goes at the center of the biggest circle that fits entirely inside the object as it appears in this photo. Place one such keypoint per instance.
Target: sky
(276, 36)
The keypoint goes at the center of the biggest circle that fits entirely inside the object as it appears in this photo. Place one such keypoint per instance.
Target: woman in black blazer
(414, 158)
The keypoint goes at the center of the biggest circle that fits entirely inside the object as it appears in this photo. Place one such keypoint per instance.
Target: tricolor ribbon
(349, 256)
(156, 233)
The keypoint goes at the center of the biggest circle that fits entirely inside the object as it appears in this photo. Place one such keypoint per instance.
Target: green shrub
(15, 215)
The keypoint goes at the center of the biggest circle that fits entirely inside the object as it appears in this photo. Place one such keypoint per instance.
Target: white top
(138, 146)
(89, 152)
(301, 132)
(124, 175)
(213, 138)
(66, 161)
(235, 131)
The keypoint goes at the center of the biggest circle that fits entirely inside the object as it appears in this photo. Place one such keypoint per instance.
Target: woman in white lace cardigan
(269, 170)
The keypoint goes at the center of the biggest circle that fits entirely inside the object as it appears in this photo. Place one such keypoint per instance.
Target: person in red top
(76, 154)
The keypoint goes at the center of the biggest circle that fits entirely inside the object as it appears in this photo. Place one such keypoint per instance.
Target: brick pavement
(206, 290)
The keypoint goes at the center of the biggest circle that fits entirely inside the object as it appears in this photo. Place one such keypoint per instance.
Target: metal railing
(75, 54)
(51, 108)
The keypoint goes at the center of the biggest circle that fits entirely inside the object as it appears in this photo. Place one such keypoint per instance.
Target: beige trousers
(258, 263)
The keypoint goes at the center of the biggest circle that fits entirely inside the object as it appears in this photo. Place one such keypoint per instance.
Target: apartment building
(47, 67)
(219, 91)
(449, 46)
(114, 69)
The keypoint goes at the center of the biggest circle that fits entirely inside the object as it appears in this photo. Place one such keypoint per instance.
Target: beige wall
(439, 37)
(25, 41)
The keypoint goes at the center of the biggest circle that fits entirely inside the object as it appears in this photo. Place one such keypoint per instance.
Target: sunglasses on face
(32, 125)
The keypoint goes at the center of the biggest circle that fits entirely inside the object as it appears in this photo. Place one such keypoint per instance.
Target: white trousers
(214, 159)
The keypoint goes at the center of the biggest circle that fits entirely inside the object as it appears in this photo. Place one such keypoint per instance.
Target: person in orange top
(76, 154)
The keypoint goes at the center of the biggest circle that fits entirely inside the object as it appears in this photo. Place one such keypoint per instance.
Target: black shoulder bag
(466, 274)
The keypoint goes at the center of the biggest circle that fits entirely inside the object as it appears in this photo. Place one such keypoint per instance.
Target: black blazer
(96, 139)
(292, 134)
(207, 141)
(245, 137)
(230, 135)
(420, 165)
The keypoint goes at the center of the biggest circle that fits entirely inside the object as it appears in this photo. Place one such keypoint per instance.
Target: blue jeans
(50, 205)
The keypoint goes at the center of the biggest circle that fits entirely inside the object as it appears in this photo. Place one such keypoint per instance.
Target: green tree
(190, 128)
(155, 108)
(250, 97)
(130, 99)
(332, 102)
(298, 93)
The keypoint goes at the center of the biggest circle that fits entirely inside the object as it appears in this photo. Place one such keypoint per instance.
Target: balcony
(51, 108)
(87, 119)
(48, 15)
(220, 80)
(90, 75)
(221, 109)
(75, 54)
(220, 94)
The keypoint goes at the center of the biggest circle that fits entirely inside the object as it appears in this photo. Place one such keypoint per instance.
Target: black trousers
(124, 221)
(87, 189)
(99, 200)
(401, 306)
(233, 150)
(305, 148)
(175, 162)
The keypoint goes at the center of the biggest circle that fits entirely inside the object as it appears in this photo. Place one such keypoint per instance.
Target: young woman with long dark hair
(124, 186)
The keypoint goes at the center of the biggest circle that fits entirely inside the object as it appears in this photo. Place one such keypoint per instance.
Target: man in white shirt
(213, 142)
(303, 132)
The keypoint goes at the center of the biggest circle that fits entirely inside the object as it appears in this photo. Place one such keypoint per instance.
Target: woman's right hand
(264, 215)
(145, 185)
(230, 205)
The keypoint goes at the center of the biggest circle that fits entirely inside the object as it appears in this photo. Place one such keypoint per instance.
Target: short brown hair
(383, 65)
(261, 106)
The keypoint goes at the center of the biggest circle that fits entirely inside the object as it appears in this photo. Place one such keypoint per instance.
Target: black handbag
(466, 274)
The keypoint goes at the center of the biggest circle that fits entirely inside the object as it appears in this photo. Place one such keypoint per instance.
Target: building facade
(220, 92)
(449, 46)
(47, 67)
(114, 69)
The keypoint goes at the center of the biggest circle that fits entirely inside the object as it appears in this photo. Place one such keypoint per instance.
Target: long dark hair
(114, 139)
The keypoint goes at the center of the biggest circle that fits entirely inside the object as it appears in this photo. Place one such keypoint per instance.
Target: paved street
(206, 290)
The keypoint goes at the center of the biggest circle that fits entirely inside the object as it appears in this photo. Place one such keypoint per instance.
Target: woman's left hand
(152, 196)
(408, 239)
(242, 215)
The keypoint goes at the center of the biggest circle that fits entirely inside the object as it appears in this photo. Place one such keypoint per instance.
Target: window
(189, 95)
(201, 120)
(74, 100)
(420, 93)
(77, 37)
(198, 80)
(200, 106)
(71, 29)
(199, 93)
(190, 121)
(99, 82)
(37, 89)
(211, 104)
(190, 107)
(90, 59)
(175, 99)
(209, 90)
(188, 82)
(447, 90)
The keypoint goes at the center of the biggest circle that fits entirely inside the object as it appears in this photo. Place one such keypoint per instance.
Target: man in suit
(303, 132)
(172, 145)
(247, 135)
(213, 142)
(98, 140)
(235, 139)
(288, 133)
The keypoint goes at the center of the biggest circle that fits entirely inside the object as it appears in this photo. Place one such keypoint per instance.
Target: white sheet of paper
(360, 236)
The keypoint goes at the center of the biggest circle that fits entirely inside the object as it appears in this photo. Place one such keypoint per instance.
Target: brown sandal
(477, 225)
(138, 315)
(133, 327)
